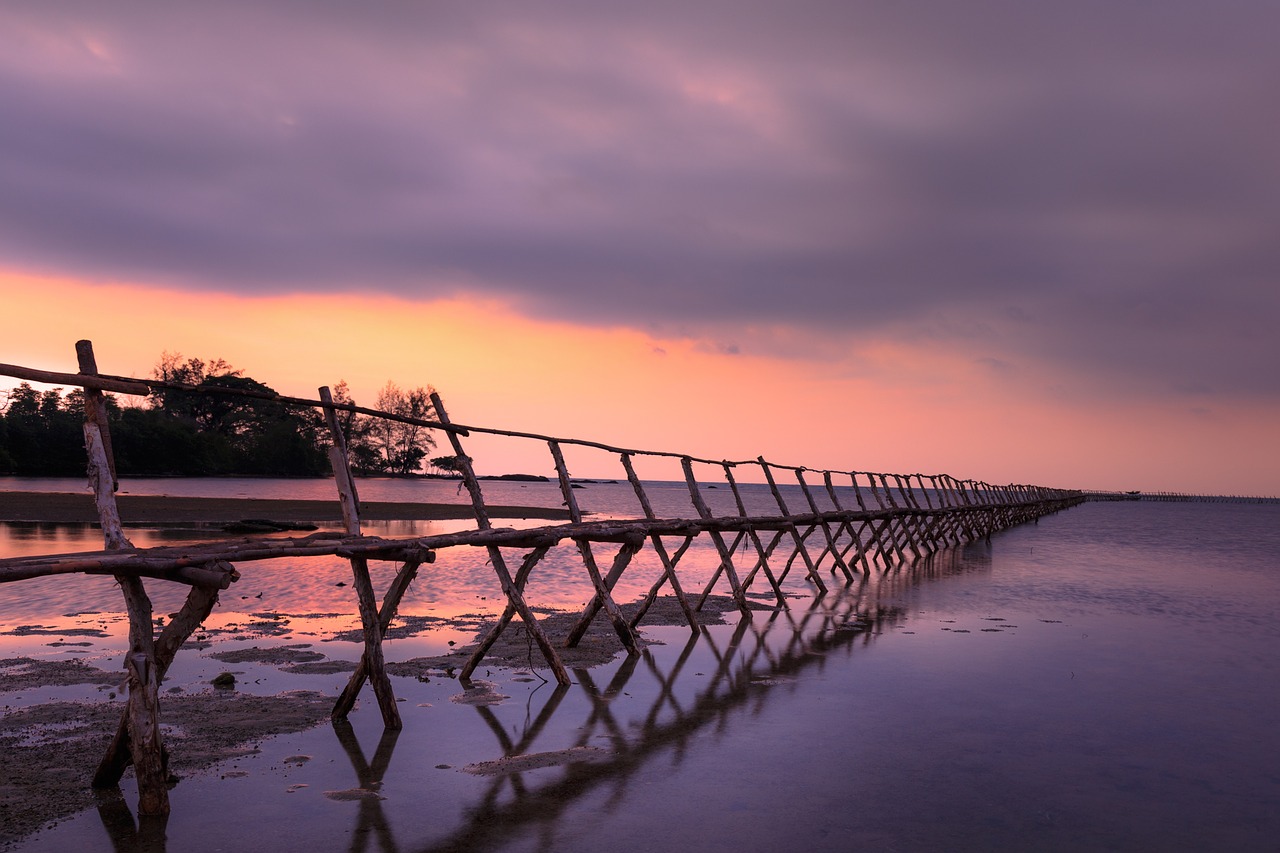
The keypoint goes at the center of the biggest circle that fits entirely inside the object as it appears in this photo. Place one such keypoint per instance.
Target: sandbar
(70, 507)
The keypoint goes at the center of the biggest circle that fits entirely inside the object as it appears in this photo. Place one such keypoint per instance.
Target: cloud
(1086, 185)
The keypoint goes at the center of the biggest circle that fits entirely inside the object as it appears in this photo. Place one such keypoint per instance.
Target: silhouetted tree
(43, 433)
(397, 447)
(231, 433)
(195, 430)
(448, 464)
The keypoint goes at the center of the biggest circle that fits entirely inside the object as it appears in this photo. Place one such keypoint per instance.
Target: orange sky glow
(1043, 256)
(880, 405)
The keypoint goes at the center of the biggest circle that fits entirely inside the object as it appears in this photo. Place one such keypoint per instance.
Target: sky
(1012, 241)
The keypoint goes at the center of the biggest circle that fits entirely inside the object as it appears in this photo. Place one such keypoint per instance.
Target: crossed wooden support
(374, 620)
(910, 520)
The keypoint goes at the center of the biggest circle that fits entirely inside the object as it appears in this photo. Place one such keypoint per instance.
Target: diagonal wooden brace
(390, 602)
(603, 597)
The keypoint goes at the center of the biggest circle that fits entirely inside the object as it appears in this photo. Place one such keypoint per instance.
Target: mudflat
(145, 509)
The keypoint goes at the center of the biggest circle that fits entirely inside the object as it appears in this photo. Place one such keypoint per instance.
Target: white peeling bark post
(145, 742)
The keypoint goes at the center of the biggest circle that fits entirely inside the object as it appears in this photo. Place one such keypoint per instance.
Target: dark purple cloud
(1093, 184)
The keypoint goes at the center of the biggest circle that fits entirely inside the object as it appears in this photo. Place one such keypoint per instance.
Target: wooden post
(390, 601)
(522, 576)
(874, 540)
(514, 593)
(372, 662)
(826, 531)
(668, 563)
(603, 597)
(886, 538)
(341, 465)
(195, 610)
(855, 536)
(726, 556)
(762, 562)
(906, 522)
(145, 743)
(810, 569)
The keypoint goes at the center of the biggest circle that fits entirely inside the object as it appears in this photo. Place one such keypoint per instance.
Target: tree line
(185, 433)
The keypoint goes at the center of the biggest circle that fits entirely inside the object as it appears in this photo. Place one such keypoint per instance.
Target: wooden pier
(884, 521)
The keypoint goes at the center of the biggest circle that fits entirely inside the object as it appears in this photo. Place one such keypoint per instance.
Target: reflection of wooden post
(145, 743)
(370, 822)
(373, 663)
(148, 834)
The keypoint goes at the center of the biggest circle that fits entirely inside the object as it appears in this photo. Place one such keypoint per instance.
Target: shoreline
(70, 507)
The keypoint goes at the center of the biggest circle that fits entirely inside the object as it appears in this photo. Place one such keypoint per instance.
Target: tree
(205, 410)
(355, 430)
(449, 464)
(395, 447)
(238, 434)
(149, 442)
(216, 421)
(43, 433)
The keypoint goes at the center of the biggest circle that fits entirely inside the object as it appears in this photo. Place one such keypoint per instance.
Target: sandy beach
(163, 509)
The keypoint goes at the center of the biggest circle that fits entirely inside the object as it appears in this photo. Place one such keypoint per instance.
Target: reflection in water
(371, 823)
(533, 784)
(147, 835)
(529, 795)
(760, 655)
(1132, 711)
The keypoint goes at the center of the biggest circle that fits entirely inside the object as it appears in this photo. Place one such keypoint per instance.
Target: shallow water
(1105, 679)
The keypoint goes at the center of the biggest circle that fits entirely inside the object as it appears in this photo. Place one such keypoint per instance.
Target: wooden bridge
(884, 521)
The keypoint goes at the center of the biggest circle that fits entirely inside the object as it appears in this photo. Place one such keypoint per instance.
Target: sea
(1107, 678)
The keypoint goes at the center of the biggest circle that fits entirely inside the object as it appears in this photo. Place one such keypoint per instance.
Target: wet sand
(51, 747)
(160, 509)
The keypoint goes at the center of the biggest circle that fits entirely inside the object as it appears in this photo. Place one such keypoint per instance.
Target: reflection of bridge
(847, 523)
(747, 669)
(539, 771)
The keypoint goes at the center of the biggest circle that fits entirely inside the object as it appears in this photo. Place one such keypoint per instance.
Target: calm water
(1106, 679)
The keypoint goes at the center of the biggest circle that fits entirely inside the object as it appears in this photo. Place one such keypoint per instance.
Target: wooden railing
(884, 521)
